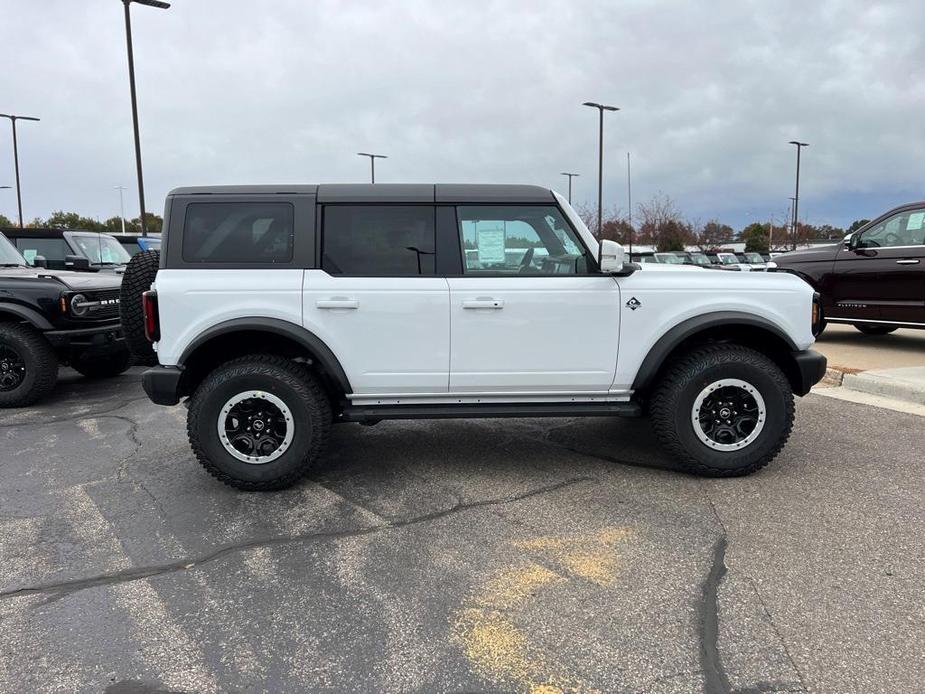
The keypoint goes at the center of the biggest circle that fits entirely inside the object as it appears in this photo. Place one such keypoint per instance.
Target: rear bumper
(162, 384)
(810, 369)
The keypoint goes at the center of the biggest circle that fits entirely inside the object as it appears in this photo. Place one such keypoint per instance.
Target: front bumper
(162, 384)
(100, 339)
(810, 370)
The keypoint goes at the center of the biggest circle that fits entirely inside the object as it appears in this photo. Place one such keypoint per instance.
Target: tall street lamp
(372, 162)
(600, 170)
(121, 207)
(796, 195)
(131, 80)
(570, 177)
(629, 203)
(13, 120)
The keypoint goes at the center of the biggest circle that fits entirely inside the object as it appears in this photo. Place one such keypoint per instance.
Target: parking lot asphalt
(848, 349)
(532, 556)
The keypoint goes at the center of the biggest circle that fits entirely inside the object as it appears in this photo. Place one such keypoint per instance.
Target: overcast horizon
(477, 92)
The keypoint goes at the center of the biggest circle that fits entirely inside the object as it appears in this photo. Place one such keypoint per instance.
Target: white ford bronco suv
(281, 310)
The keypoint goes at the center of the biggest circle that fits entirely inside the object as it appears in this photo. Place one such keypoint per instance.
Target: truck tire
(875, 329)
(28, 365)
(723, 410)
(259, 422)
(103, 367)
(139, 274)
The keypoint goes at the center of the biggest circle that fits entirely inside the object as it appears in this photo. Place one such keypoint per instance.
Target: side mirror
(851, 241)
(77, 262)
(39, 261)
(613, 257)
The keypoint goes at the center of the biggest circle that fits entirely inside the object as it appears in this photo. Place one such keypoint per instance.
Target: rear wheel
(723, 410)
(103, 367)
(139, 274)
(875, 329)
(259, 422)
(28, 365)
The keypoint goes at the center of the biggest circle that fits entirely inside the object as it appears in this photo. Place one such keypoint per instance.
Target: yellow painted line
(486, 625)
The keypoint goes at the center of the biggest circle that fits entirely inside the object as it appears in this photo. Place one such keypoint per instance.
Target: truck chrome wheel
(728, 414)
(12, 368)
(256, 427)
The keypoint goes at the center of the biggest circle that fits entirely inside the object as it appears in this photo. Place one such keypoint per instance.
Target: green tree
(755, 236)
(857, 224)
(72, 220)
(712, 235)
(5, 221)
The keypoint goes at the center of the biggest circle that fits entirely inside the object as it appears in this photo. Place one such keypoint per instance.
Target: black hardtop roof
(389, 192)
(45, 232)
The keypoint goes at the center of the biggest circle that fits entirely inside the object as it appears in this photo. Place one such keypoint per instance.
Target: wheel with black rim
(103, 367)
(259, 422)
(723, 410)
(28, 365)
(875, 329)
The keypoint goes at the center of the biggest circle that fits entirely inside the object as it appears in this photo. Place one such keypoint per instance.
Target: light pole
(570, 177)
(13, 120)
(600, 171)
(796, 198)
(121, 207)
(629, 203)
(131, 80)
(372, 162)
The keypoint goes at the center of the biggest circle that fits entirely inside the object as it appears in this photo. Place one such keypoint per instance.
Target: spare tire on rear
(139, 274)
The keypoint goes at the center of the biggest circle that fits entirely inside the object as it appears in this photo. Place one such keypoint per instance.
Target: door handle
(337, 302)
(908, 261)
(483, 302)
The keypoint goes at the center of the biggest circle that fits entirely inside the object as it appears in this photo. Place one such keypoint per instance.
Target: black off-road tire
(39, 359)
(875, 329)
(295, 385)
(139, 274)
(673, 399)
(103, 367)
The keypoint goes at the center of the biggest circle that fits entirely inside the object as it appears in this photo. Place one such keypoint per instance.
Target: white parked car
(279, 311)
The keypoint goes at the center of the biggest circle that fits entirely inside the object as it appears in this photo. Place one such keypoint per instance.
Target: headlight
(79, 305)
(771, 265)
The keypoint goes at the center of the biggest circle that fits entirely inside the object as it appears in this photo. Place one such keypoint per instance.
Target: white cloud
(288, 91)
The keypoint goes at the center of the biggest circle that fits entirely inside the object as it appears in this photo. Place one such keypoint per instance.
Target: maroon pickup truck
(875, 278)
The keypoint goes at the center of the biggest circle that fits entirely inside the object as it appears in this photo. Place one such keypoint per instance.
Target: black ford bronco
(52, 317)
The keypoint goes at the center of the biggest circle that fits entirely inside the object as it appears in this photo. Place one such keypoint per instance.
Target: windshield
(101, 249)
(729, 260)
(698, 259)
(670, 258)
(754, 258)
(8, 253)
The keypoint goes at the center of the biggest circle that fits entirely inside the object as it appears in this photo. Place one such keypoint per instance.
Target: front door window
(902, 229)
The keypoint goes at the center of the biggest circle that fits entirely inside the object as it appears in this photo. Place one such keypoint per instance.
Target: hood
(71, 280)
(808, 255)
(669, 267)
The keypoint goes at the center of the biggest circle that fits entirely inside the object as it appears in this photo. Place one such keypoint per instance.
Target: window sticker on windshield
(490, 243)
(29, 254)
(915, 221)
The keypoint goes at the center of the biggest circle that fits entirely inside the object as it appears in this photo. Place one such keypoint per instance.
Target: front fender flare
(30, 315)
(690, 327)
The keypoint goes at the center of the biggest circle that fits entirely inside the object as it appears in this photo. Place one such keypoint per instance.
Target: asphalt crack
(73, 417)
(56, 591)
(715, 680)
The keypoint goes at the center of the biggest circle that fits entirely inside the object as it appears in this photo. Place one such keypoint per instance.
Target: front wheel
(28, 365)
(723, 410)
(874, 329)
(259, 422)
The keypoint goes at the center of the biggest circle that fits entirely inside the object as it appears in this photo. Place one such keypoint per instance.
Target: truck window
(378, 240)
(52, 249)
(238, 232)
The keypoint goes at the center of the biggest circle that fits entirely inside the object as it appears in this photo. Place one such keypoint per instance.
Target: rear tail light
(152, 321)
(817, 315)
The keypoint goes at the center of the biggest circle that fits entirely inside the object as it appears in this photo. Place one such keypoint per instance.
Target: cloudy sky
(288, 91)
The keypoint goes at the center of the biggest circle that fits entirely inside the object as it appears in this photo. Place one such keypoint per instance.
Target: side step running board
(374, 413)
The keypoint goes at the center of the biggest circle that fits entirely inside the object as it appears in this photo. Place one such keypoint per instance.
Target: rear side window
(378, 240)
(238, 232)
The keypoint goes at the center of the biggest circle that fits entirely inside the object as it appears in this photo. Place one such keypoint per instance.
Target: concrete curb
(906, 384)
